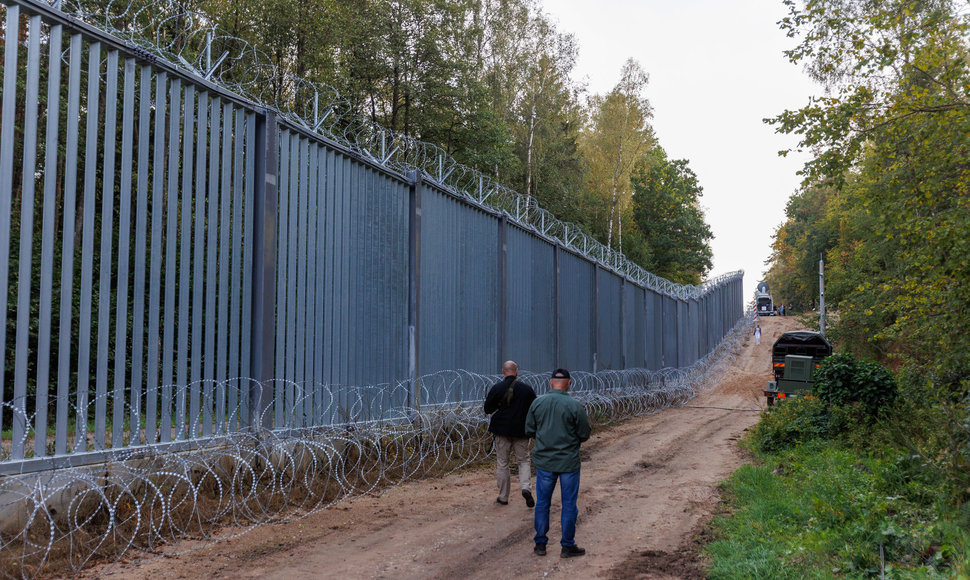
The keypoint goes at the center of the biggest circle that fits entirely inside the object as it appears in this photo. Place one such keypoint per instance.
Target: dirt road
(648, 488)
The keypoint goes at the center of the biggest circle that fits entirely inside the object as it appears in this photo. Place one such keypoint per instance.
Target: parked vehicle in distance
(763, 304)
(794, 357)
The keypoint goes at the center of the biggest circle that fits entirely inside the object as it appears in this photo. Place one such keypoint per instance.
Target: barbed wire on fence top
(190, 40)
(61, 521)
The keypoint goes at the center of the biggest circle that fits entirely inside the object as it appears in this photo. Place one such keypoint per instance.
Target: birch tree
(618, 135)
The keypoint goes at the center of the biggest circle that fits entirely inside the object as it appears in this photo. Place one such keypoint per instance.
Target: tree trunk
(528, 151)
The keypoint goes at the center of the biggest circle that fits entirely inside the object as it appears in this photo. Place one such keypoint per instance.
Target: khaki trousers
(503, 447)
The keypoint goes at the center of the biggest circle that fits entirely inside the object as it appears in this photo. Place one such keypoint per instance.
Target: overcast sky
(716, 70)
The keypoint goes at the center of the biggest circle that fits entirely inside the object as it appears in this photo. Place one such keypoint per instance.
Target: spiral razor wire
(63, 520)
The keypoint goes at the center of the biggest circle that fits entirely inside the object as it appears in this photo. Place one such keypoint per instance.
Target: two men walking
(559, 425)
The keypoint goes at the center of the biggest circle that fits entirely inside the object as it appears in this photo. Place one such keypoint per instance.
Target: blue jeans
(569, 491)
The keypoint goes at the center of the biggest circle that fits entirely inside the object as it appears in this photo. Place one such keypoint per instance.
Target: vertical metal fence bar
(248, 306)
(301, 282)
(155, 285)
(320, 287)
(623, 314)
(107, 232)
(211, 227)
(292, 279)
(176, 103)
(7, 125)
(224, 267)
(304, 286)
(236, 271)
(48, 234)
(338, 275)
(594, 328)
(500, 276)
(281, 264)
(198, 264)
(266, 151)
(20, 411)
(124, 241)
(87, 243)
(309, 380)
(414, 289)
(354, 186)
(330, 279)
(67, 246)
(141, 242)
(184, 266)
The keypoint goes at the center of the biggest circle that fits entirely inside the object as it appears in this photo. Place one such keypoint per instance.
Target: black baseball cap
(560, 374)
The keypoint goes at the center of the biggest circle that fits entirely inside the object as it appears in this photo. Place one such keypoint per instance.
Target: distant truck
(763, 304)
(794, 357)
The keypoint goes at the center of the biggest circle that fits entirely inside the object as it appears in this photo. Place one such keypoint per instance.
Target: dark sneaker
(529, 501)
(540, 549)
(572, 552)
(499, 500)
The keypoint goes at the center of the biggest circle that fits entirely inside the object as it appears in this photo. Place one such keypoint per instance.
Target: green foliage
(666, 209)
(789, 423)
(842, 380)
(820, 511)
(850, 395)
(887, 200)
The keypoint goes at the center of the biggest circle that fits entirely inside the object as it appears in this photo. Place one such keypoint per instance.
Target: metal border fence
(183, 264)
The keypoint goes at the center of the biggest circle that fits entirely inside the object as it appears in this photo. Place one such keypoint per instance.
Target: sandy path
(648, 488)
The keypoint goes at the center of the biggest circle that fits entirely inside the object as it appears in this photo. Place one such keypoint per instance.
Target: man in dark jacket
(508, 402)
(560, 424)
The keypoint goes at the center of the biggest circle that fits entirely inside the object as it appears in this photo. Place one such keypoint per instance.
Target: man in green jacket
(559, 424)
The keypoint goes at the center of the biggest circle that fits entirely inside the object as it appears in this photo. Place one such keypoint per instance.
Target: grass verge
(824, 509)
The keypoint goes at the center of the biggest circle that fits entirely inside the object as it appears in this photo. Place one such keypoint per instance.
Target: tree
(891, 139)
(667, 213)
(618, 136)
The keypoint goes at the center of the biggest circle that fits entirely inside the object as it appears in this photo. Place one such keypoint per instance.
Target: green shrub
(789, 423)
(843, 380)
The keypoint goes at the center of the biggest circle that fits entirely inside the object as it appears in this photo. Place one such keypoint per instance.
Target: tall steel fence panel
(576, 324)
(342, 281)
(683, 334)
(654, 330)
(694, 329)
(460, 285)
(708, 327)
(530, 313)
(609, 320)
(670, 334)
(634, 317)
(126, 204)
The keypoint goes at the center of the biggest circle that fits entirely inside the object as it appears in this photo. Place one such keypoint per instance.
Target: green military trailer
(794, 357)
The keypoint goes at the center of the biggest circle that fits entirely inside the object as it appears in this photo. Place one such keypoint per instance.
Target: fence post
(502, 297)
(414, 287)
(557, 304)
(596, 314)
(264, 270)
(622, 322)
